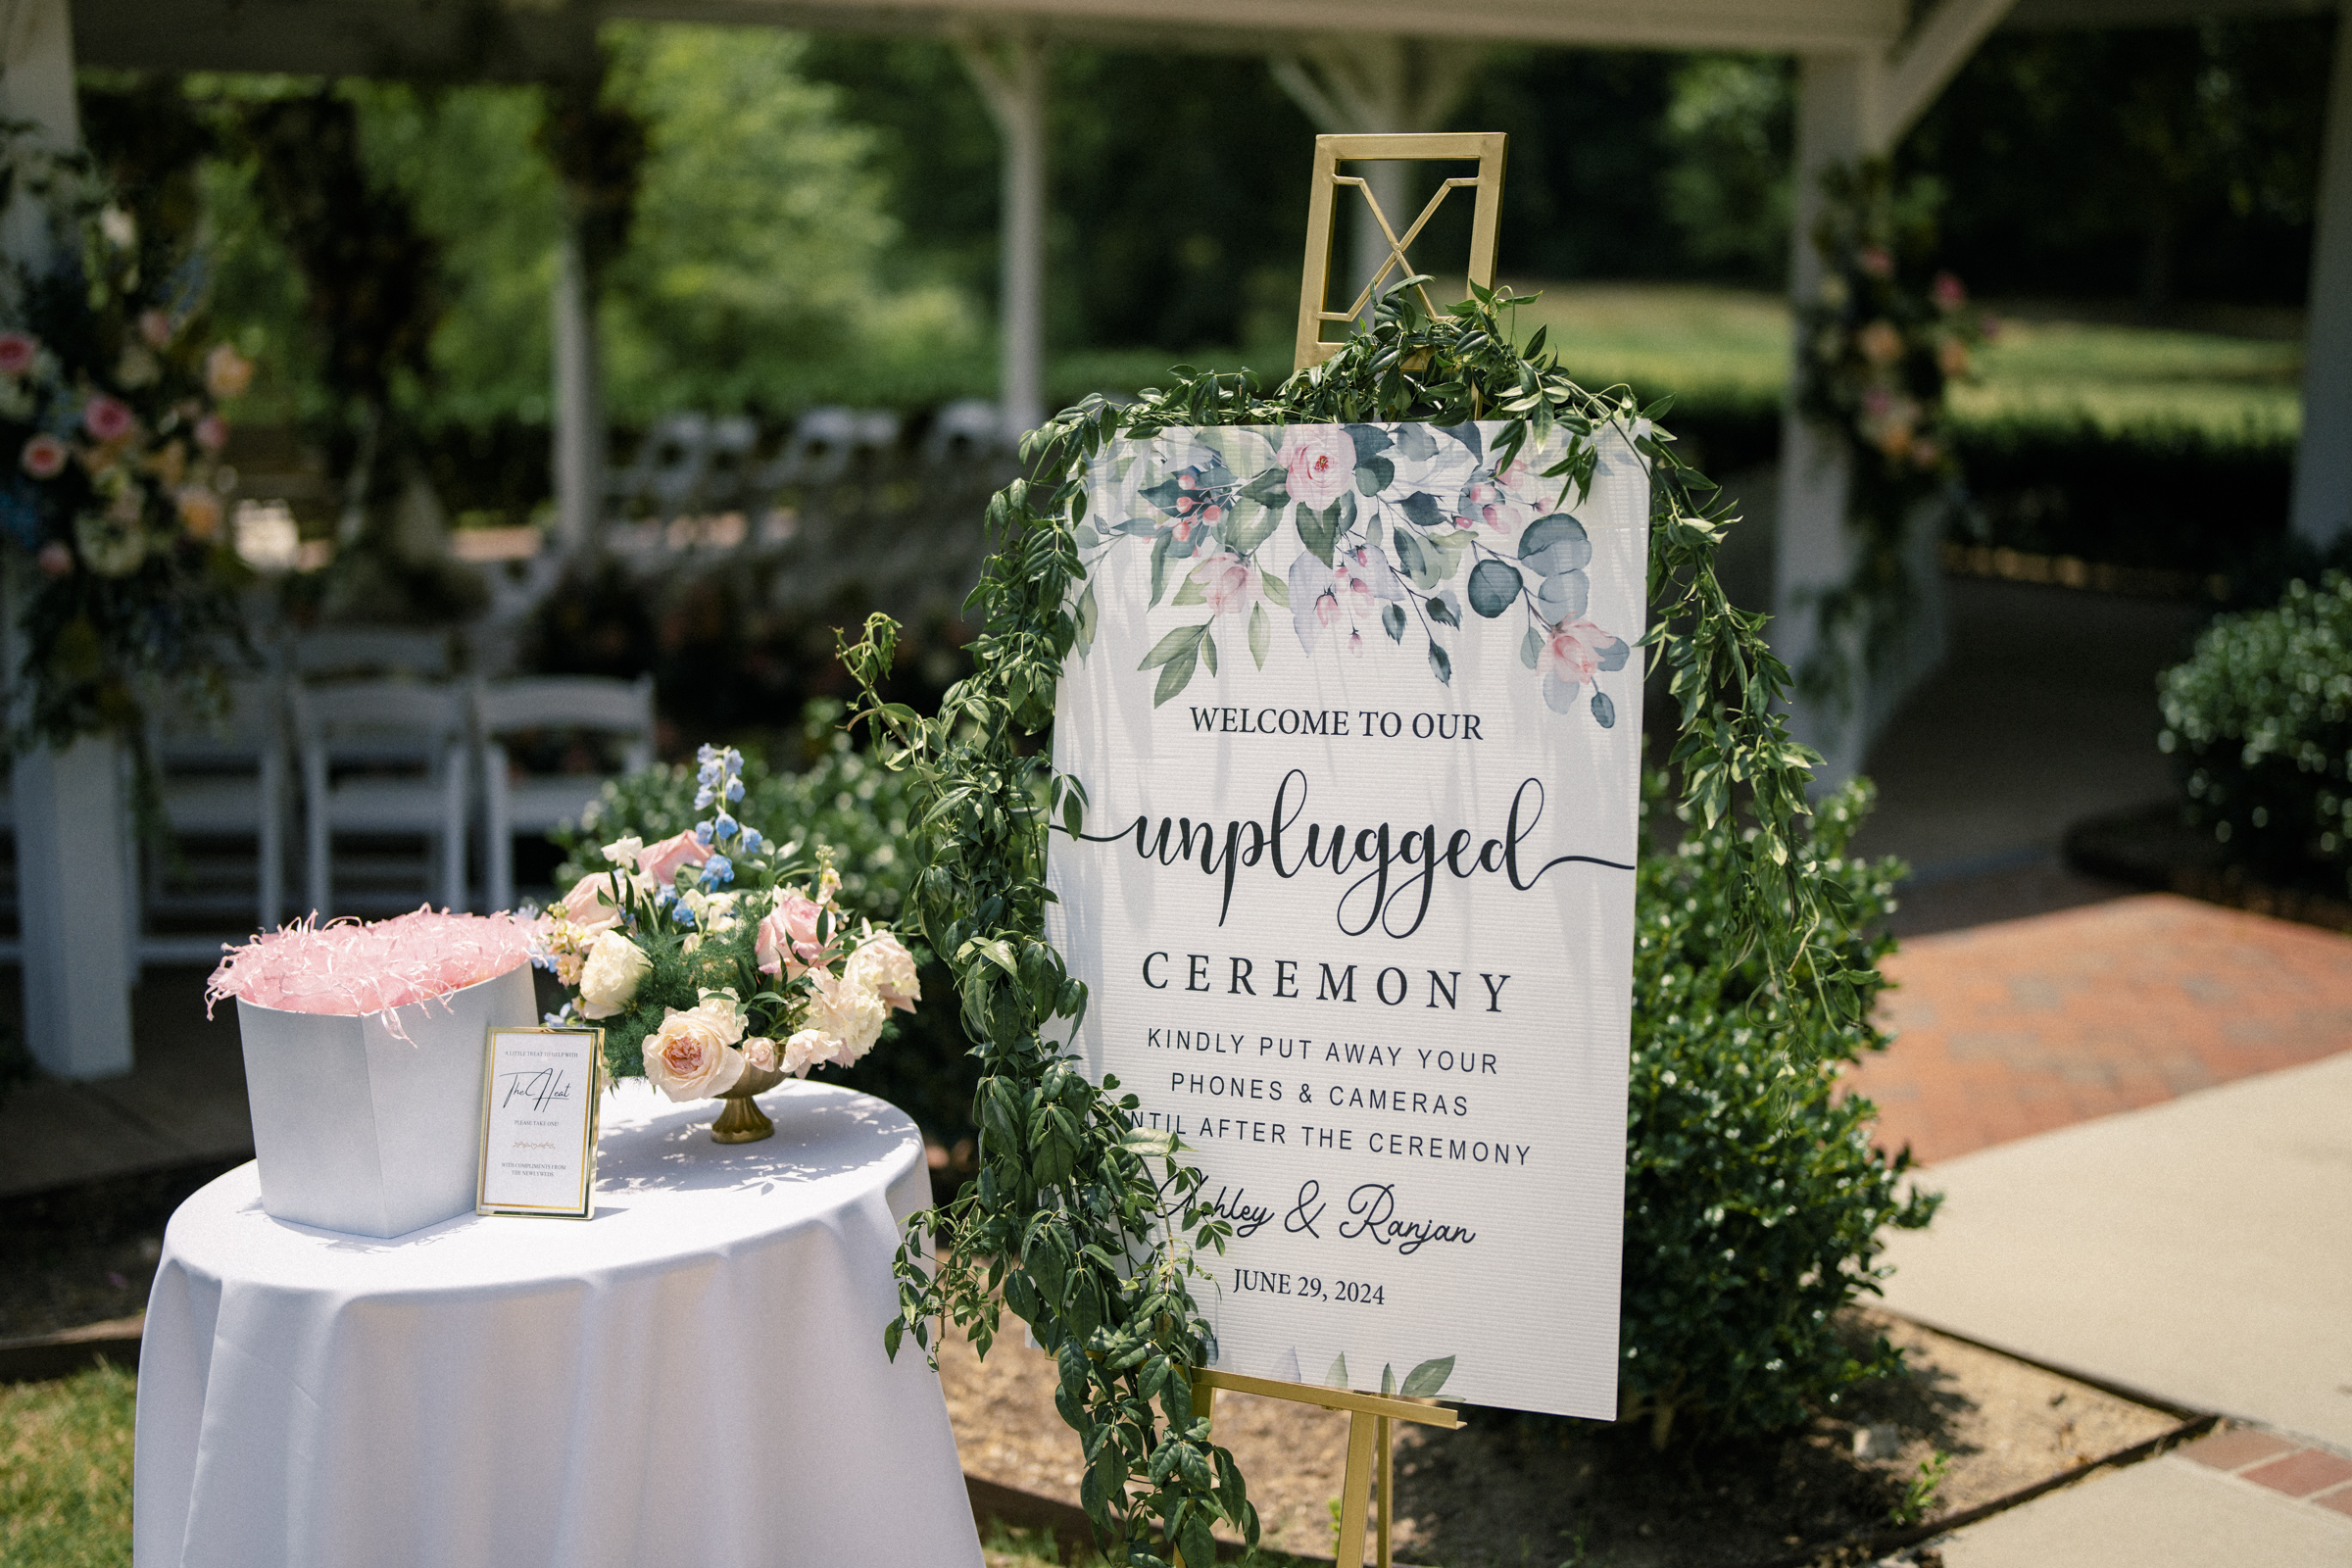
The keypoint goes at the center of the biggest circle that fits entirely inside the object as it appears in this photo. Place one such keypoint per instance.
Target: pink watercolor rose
(1320, 460)
(1227, 581)
(662, 860)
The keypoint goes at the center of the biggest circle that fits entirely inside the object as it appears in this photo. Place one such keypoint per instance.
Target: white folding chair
(228, 781)
(400, 751)
(344, 653)
(622, 710)
(966, 430)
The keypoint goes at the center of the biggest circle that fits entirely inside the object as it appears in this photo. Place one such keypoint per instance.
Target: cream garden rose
(610, 974)
(692, 1054)
(806, 1048)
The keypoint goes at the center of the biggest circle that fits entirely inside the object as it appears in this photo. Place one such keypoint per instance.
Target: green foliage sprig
(1087, 1226)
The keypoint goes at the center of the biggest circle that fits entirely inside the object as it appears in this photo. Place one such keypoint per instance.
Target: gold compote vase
(740, 1119)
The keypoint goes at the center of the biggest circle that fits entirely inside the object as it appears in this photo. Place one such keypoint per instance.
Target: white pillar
(1843, 115)
(2323, 503)
(73, 830)
(1010, 72)
(579, 434)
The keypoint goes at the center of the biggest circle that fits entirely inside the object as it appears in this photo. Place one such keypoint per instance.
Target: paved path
(2023, 1026)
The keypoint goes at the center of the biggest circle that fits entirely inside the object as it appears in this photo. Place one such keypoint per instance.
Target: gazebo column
(579, 404)
(1378, 85)
(2323, 503)
(1010, 72)
(1853, 106)
(1838, 98)
(74, 853)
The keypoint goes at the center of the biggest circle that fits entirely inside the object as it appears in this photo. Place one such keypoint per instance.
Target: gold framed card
(539, 1122)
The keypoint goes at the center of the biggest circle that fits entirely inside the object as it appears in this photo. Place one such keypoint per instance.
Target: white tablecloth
(694, 1377)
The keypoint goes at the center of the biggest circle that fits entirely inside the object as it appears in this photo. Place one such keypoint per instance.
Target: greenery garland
(1879, 346)
(1085, 1225)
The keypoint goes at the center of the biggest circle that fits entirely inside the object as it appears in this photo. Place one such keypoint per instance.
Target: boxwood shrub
(1754, 1200)
(2259, 724)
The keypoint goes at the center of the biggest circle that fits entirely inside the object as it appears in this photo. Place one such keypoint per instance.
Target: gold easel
(1332, 150)
(1371, 1425)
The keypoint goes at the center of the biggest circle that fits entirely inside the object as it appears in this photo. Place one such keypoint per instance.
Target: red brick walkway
(2019, 1027)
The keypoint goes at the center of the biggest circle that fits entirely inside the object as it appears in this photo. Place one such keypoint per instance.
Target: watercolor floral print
(1349, 533)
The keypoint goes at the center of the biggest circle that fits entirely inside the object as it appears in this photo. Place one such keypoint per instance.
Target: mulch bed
(1512, 1490)
(2150, 846)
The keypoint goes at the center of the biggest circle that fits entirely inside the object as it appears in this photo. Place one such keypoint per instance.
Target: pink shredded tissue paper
(349, 969)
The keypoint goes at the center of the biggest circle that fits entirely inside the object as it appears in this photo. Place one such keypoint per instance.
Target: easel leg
(1388, 1480)
(1356, 1489)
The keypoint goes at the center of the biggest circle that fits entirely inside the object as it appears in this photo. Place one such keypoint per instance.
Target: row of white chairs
(391, 756)
(693, 463)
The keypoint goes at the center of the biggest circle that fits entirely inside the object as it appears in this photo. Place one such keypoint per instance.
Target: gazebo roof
(489, 40)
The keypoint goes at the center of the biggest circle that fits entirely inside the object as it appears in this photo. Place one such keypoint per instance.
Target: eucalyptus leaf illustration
(1084, 536)
(1090, 615)
(1375, 475)
(1563, 597)
(1271, 488)
(1252, 525)
(1422, 510)
(1413, 561)
(1442, 610)
(1175, 674)
(1388, 1380)
(1208, 649)
(1274, 589)
(1190, 593)
(1531, 648)
(1160, 567)
(1393, 617)
(1414, 443)
(1468, 435)
(1262, 635)
(1493, 586)
(1370, 442)
(1427, 1378)
(1337, 1377)
(1319, 530)
(1555, 544)
(1604, 711)
(1440, 665)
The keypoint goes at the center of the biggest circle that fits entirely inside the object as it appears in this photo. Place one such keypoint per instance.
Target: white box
(358, 1130)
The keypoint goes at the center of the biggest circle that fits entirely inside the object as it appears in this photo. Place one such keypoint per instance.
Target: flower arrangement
(1880, 348)
(111, 434)
(714, 954)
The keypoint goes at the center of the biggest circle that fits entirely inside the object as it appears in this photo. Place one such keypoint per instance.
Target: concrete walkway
(2200, 1251)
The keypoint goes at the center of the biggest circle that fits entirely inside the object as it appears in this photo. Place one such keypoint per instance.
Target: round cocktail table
(693, 1377)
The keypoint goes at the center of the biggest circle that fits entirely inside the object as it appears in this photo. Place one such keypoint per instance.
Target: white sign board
(539, 1123)
(1358, 722)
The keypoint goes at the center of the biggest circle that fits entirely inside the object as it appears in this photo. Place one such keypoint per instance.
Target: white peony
(809, 1047)
(883, 967)
(850, 1014)
(615, 968)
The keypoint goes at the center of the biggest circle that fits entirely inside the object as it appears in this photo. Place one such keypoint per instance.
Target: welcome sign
(1358, 715)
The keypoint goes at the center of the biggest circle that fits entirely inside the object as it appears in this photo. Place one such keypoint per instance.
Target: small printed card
(539, 1122)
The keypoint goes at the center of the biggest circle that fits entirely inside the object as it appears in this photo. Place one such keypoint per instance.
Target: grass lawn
(65, 1471)
(1731, 346)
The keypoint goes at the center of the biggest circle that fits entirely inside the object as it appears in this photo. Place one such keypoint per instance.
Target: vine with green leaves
(1087, 1226)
